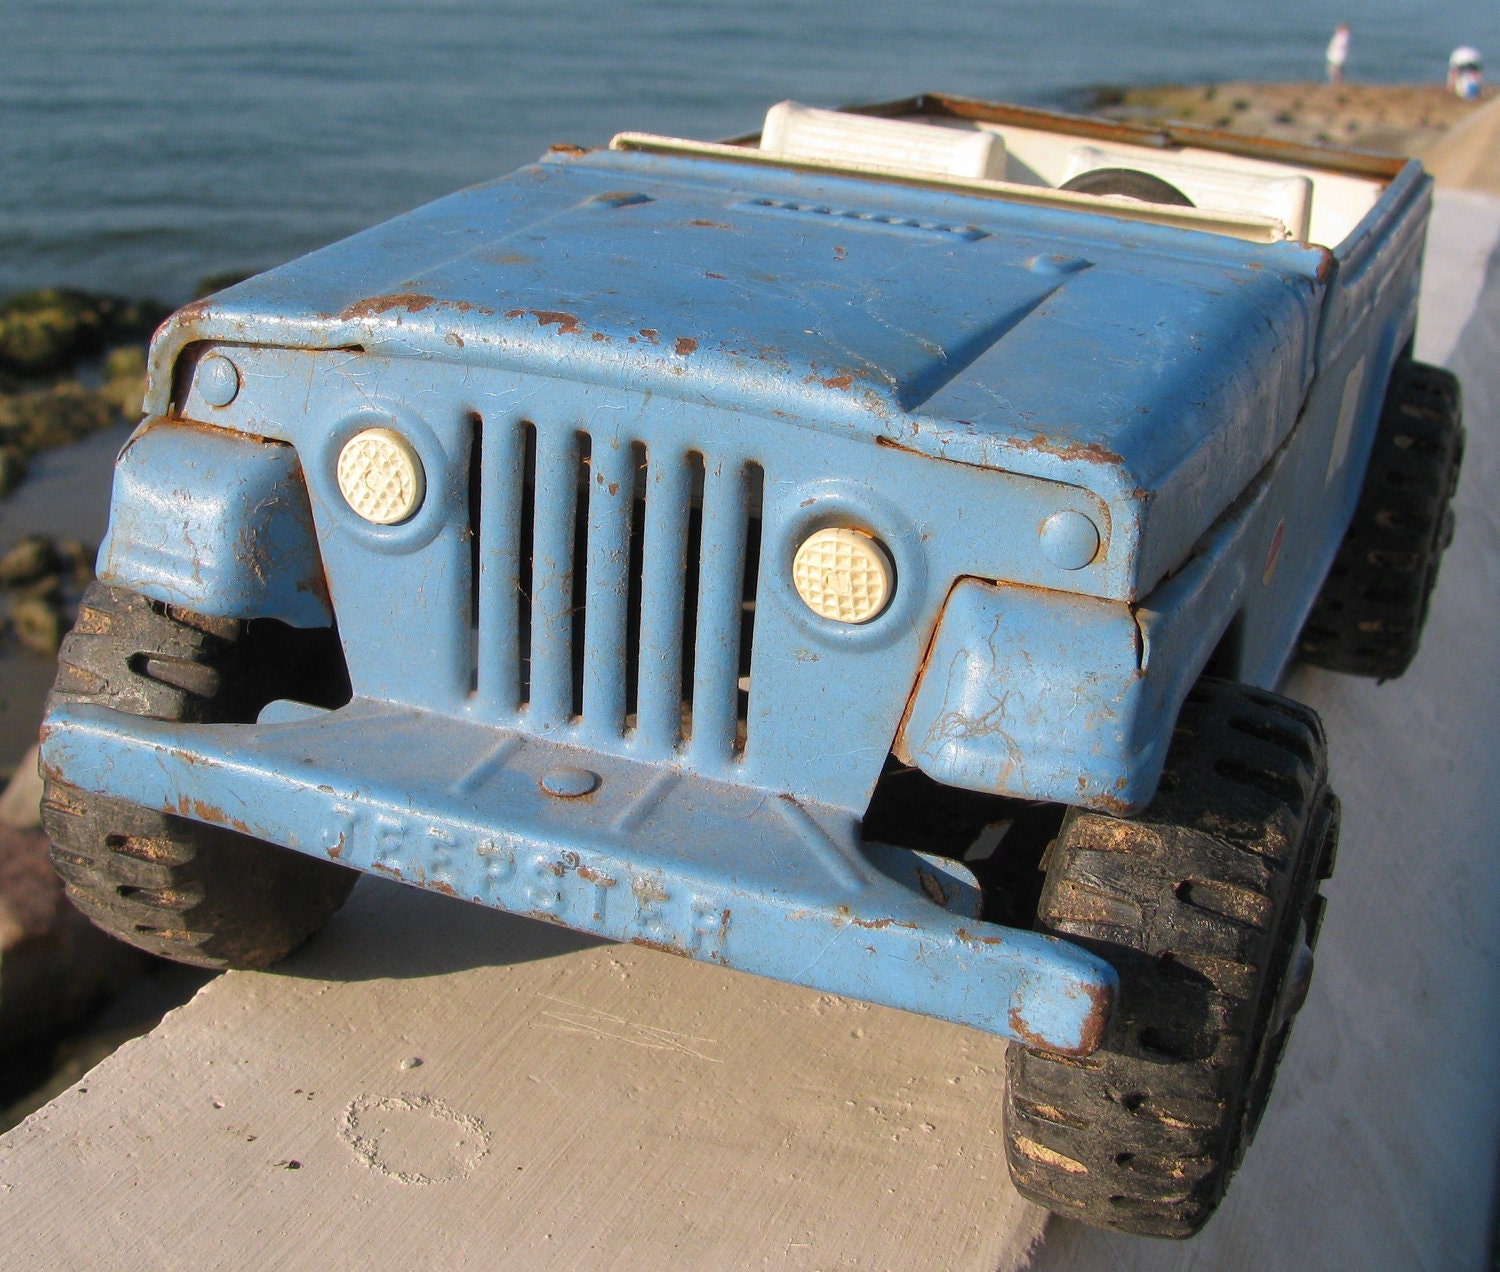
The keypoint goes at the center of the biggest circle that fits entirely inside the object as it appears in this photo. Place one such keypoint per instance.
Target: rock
(38, 623)
(40, 419)
(47, 588)
(54, 964)
(44, 332)
(33, 558)
(21, 801)
(125, 380)
(12, 468)
(77, 561)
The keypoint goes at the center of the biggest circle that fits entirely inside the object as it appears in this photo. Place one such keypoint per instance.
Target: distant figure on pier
(1338, 53)
(1465, 73)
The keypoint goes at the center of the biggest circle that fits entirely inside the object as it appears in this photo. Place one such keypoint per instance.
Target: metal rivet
(1069, 540)
(570, 783)
(218, 380)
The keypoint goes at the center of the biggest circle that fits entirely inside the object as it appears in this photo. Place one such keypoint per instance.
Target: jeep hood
(1150, 364)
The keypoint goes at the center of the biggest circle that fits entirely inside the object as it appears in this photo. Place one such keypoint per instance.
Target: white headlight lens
(381, 477)
(843, 574)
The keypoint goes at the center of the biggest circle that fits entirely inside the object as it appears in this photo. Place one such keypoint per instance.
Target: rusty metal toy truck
(861, 554)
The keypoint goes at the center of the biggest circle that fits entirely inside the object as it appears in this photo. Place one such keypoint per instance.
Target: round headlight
(381, 477)
(843, 574)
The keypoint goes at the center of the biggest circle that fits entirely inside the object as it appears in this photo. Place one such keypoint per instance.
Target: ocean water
(146, 143)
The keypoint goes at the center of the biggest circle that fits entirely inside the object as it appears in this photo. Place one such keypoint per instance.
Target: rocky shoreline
(1398, 119)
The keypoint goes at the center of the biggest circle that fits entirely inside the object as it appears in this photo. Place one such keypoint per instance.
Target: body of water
(146, 143)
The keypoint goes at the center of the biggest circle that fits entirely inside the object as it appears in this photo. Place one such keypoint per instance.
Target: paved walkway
(1468, 158)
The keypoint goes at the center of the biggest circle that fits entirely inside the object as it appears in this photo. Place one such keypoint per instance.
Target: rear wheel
(1207, 904)
(1369, 615)
(169, 885)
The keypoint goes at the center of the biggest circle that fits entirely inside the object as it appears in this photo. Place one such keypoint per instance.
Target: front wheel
(174, 887)
(1207, 905)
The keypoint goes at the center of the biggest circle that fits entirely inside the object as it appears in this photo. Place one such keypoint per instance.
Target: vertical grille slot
(475, 532)
(507, 457)
(635, 595)
(716, 650)
(754, 496)
(524, 565)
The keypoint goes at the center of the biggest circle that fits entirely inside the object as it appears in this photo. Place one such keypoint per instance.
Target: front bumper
(652, 854)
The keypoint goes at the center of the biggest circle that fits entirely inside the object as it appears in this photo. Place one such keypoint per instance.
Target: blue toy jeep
(861, 554)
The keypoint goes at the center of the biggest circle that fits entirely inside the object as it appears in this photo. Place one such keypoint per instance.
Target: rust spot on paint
(1090, 1031)
(710, 225)
(566, 148)
(566, 324)
(409, 302)
(650, 333)
(968, 938)
(1112, 804)
(447, 889)
(685, 345)
(598, 337)
(663, 946)
(593, 876)
(843, 382)
(198, 810)
(1089, 452)
(708, 273)
(192, 313)
(846, 915)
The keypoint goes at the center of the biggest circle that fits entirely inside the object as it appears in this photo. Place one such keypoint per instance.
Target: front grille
(615, 592)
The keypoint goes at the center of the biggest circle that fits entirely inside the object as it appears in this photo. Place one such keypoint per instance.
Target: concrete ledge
(430, 1084)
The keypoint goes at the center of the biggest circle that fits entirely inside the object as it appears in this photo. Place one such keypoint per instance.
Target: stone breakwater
(71, 363)
(1454, 139)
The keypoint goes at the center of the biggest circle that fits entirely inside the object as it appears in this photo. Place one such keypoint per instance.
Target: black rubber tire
(178, 888)
(1368, 617)
(1207, 905)
(1129, 182)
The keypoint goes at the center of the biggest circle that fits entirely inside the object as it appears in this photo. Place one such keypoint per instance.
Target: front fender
(1039, 695)
(217, 522)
